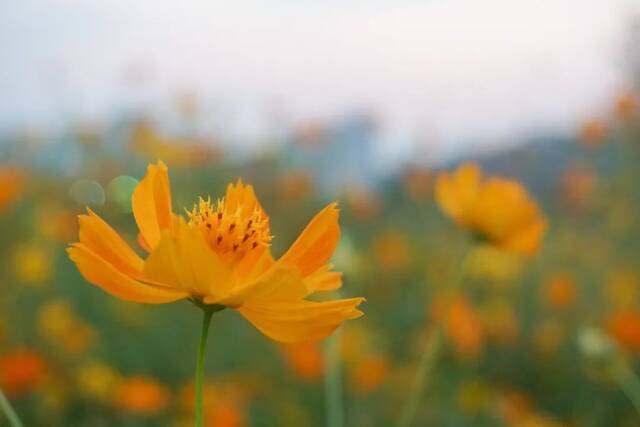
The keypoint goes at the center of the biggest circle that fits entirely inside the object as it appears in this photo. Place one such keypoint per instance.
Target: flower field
(498, 290)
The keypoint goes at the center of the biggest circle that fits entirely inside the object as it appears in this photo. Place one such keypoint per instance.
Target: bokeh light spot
(119, 192)
(87, 193)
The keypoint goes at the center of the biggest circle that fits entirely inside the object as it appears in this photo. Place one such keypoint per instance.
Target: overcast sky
(453, 72)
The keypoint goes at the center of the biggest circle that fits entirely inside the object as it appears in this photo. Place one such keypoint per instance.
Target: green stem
(427, 364)
(9, 412)
(333, 381)
(429, 358)
(629, 383)
(206, 321)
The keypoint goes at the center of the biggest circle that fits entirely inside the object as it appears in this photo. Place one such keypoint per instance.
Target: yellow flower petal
(104, 275)
(253, 265)
(151, 203)
(323, 280)
(527, 240)
(299, 321)
(98, 236)
(143, 243)
(316, 244)
(186, 262)
(279, 283)
(239, 194)
(456, 193)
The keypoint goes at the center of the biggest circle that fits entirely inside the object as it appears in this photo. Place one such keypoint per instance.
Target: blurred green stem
(429, 358)
(628, 382)
(333, 381)
(206, 321)
(427, 364)
(9, 412)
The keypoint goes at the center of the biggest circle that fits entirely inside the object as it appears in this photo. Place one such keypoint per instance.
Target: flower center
(230, 231)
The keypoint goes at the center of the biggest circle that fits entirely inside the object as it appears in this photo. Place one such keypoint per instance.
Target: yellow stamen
(231, 233)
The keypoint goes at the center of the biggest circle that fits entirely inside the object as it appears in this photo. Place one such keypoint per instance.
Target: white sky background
(453, 73)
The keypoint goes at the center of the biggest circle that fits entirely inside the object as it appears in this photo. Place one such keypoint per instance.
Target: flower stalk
(628, 382)
(429, 359)
(202, 348)
(14, 421)
(427, 364)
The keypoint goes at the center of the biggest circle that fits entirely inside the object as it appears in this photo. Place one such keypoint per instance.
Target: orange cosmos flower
(593, 133)
(417, 183)
(462, 325)
(499, 210)
(306, 359)
(225, 404)
(464, 329)
(365, 205)
(141, 395)
(12, 182)
(370, 373)
(560, 291)
(21, 371)
(391, 250)
(578, 184)
(219, 255)
(295, 185)
(626, 105)
(624, 327)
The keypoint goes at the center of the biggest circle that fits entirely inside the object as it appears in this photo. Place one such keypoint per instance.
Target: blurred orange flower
(537, 420)
(20, 371)
(369, 373)
(514, 406)
(499, 210)
(365, 205)
(141, 395)
(225, 416)
(306, 359)
(224, 404)
(624, 327)
(465, 330)
(391, 250)
(578, 183)
(12, 182)
(559, 291)
(626, 105)
(295, 185)
(593, 132)
(417, 183)
(57, 223)
(463, 325)
(219, 256)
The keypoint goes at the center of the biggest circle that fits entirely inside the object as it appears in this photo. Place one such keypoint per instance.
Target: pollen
(232, 232)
